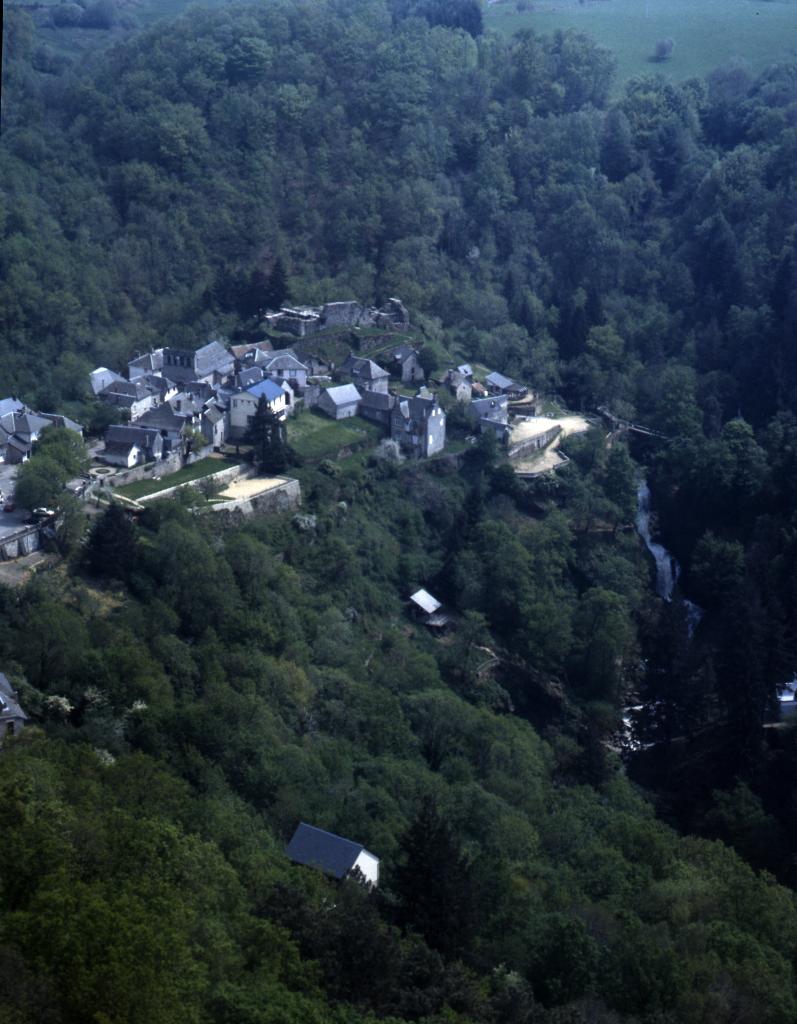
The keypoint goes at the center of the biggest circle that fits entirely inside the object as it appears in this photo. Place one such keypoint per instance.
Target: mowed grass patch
(315, 436)
(706, 33)
(196, 471)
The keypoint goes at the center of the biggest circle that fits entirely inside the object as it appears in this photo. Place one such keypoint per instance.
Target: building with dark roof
(12, 717)
(419, 426)
(211, 362)
(340, 402)
(283, 364)
(404, 363)
(332, 854)
(129, 446)
(376, 406)
(365, 373)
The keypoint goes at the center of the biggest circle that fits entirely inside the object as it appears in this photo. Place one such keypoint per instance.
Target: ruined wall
(25, 541)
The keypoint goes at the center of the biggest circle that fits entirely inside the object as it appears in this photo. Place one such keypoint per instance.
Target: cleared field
(315, 436)
(706, 33)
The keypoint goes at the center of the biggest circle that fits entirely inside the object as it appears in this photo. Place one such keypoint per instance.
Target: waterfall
(667, 568)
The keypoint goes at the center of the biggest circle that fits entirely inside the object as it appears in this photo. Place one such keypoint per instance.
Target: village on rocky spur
(177, 409)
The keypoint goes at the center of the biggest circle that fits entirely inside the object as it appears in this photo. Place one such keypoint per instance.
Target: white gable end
(369, 865)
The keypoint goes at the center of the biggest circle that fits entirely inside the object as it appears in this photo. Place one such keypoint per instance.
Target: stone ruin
(303, 321)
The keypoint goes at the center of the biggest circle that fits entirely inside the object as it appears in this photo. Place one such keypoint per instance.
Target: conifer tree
(266, 434)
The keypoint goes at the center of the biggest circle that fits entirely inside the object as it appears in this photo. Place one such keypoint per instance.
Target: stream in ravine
(667, 572)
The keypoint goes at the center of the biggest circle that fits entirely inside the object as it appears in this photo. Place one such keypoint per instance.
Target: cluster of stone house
(173, 397)
(20, 428)
(416, 423)
(488, 403)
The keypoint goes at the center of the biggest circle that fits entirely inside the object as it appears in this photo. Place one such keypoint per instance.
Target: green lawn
(197, 470)
(314, 436)
(706, 33)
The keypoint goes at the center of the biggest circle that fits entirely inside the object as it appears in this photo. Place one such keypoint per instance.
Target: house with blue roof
(243, 405)
(334, 855)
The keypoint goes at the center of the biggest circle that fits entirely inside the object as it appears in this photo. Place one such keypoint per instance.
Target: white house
(243, 405)
(332, 854)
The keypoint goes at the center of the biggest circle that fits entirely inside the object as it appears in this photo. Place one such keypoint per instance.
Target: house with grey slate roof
(12, 717)
(404, 364)
(18, 431)
(213, 424)
(130, 446)
(150, 362)
(490, 414)
(365, 374)
(419, 426)
(341, 402)
(283, 364)
(332, 854)
(212, 362)
(498, 384)
(377, 407)
(101, 378)
(137, 396)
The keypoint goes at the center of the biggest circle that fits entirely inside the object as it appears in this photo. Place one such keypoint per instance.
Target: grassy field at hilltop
(706, 33)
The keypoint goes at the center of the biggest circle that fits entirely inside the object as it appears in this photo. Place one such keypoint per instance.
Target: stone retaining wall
(154, 470)
(285, 496)
(224, 476)
(533, 444)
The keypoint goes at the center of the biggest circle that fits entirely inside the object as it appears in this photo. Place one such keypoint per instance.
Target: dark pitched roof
(134, 389)
(213, 414)
(9, 705)
(241, 351)
(377, 400)
(365, 369)
(121, 436)
(211, 358)
(403, 352)
(419, 409)
(316, 848)
(498, 380)
(490, 408)
(246, 378)
(164, 417)
(149, 361)
(284, 359)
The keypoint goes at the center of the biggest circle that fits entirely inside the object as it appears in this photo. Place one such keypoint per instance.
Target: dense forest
(198, 690)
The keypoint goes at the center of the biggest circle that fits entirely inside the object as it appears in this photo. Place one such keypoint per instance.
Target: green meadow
(706, 33)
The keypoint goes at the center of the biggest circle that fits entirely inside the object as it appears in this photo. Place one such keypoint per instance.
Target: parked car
(10, 506)
(41, 513)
